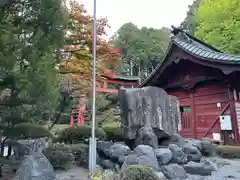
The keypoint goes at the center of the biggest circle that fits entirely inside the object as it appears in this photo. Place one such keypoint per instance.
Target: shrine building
(207, 84)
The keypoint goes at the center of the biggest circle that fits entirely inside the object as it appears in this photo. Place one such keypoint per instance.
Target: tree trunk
(57, 118)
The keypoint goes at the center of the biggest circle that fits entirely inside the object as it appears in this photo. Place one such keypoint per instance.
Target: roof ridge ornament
(176, 30)
(181, 34)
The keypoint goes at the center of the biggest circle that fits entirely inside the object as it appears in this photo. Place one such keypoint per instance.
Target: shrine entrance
(186, 116)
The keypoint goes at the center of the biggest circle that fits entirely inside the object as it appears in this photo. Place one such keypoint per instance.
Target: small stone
(199, 168)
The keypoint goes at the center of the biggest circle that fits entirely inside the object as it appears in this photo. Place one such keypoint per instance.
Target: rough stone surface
(192, 152)
(173, 139)
(178, 156)
(202, 169)
(174, 171)
(131, 159)
(144, 155)
(147, 136)
(148, 107)
(26, 147)
(174, 110)
(227, 170)
(196, 143)
(207, 148)
(35, 167)
(118, 150)
(144, 150)
(103, 148)
(107, 164)
(164, 155)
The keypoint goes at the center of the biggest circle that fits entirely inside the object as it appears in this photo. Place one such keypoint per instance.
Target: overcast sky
(150, 13)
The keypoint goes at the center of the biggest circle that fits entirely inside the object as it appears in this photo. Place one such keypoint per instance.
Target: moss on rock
(137, 172)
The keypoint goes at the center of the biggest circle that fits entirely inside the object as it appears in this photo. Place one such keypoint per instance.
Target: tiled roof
(200, 50)
(196, 48)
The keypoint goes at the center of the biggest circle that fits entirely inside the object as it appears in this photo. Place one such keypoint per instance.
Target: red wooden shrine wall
(201, 106)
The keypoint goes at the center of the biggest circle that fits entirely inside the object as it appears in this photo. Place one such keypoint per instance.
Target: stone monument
(148, 114)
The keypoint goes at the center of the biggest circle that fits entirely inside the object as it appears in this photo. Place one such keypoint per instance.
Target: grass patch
(59, 127)
(228, 151)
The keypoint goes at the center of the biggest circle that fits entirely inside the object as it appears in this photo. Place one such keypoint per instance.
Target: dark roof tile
(197, 48)
(204, 52)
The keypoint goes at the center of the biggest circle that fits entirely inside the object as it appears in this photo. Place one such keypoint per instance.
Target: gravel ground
(227, 170)
(75, 173)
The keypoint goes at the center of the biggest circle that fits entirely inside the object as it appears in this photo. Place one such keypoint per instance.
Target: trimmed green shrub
(81, 154)
(78, 134)
(113, 132)
(60, 156)
(26, 131)
(136, 172)
(228, 151)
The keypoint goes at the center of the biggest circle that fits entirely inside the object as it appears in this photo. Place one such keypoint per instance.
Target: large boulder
(143, 155)
(148, 107)
(35, 167)
(103, 148)
(174, 171)
(178, 156)
(192, 152)
(118, 151)
(164, 155)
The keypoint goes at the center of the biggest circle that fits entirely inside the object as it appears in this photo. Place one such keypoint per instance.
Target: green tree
(190, 22)
(31, 35)
(219, 25)
(141, 49)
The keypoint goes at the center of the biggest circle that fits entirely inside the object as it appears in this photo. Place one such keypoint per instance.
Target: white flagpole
(92, 142)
